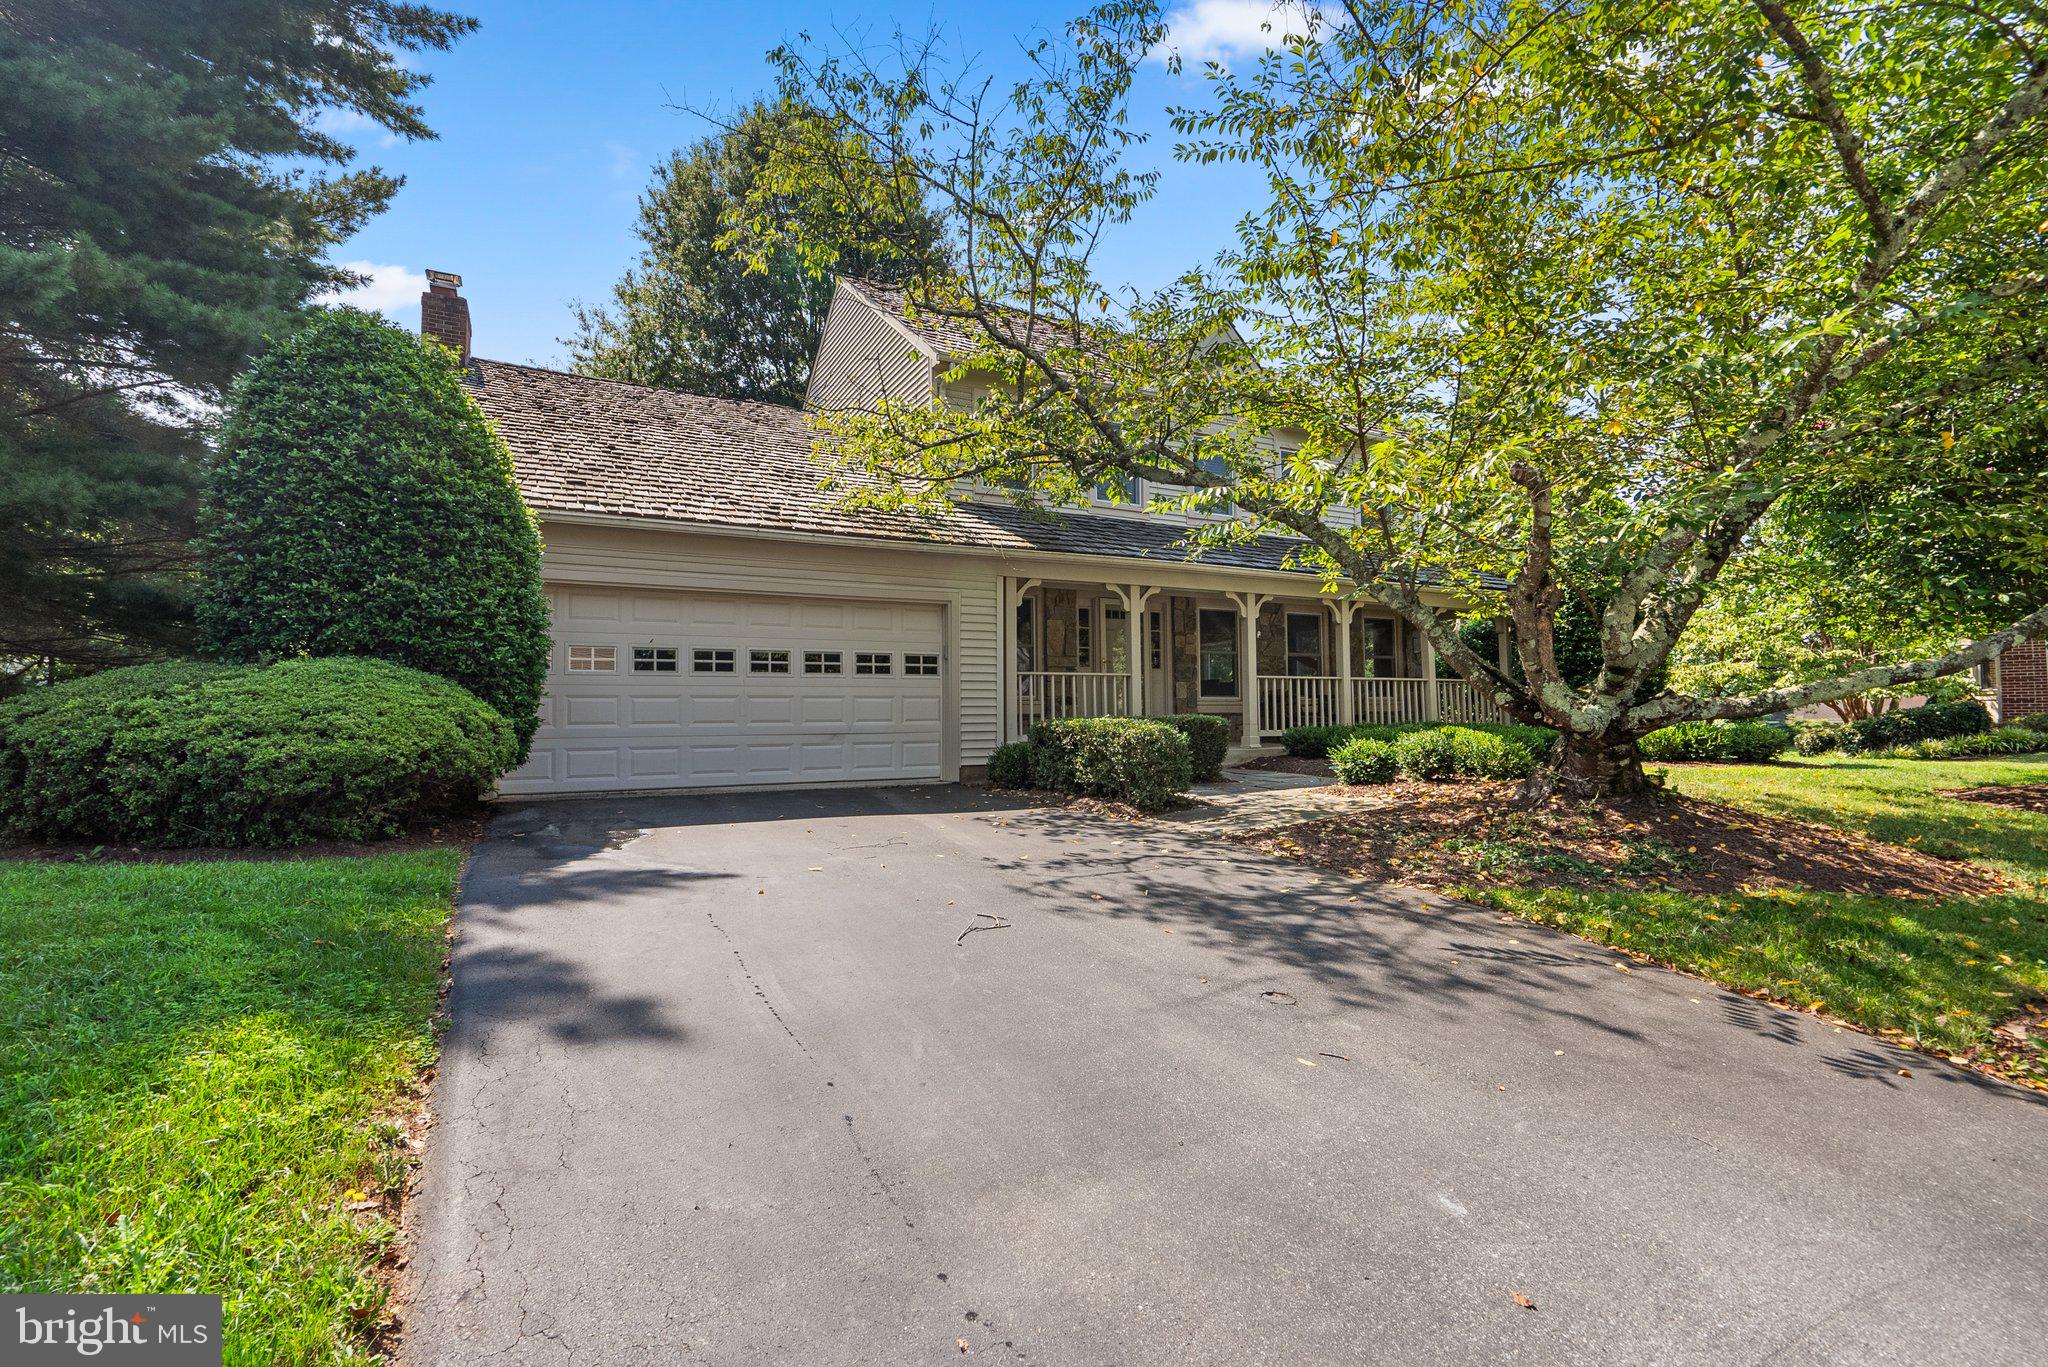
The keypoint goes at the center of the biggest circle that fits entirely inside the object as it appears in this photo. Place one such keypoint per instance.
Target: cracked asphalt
(725, 1084)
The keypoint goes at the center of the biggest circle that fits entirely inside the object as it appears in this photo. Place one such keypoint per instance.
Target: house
(2016, 683)
(721, 620)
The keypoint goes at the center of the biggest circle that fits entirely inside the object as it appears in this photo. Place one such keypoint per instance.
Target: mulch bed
(1290, 764)
(2028, 797)
(460, 831)
(1465, 834)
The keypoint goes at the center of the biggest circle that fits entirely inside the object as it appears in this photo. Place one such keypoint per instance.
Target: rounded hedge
(1740, 742)
(1364, 760)
(1009, 766)
(1427, 754)
(1128, 759)
(1208, 742)
(197, 754)
(361, 504)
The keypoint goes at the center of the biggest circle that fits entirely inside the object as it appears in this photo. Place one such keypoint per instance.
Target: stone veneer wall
(1184, 641)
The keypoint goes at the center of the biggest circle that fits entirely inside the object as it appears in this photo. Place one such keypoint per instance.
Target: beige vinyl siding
(863, 359)
(964, 585)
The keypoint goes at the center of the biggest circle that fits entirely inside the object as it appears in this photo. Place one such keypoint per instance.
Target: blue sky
(551, 115)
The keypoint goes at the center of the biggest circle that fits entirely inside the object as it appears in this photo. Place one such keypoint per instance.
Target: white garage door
(674, 690)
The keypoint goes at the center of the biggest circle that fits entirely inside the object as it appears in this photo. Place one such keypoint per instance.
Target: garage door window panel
(768, 662)
(593, 659)
(711, 661)
(654, 660)
(873, 662)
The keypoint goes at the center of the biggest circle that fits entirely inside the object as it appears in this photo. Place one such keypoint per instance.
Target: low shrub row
(2005, 740)
(1888, 730)
(1735, 742)
(1318, 742)
(203, 754)
(1147, 763)
(1436, 752)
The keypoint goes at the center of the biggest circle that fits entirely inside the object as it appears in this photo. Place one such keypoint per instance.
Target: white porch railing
(1382, 702)
(1046, 696)
(1298, 700)
(1460, 700)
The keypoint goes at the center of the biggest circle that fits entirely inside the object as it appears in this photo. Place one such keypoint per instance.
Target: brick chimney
(444, 313)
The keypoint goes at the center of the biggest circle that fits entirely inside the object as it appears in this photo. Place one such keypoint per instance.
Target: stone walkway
(1248, 799)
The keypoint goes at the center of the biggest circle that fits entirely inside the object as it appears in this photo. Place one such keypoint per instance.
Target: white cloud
(1223, 30)
(621, 162)
(392, 291)
(352, 125)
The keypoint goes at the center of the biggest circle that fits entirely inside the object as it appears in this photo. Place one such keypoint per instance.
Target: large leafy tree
(165, 201)
(1567, 297)
(711, 307)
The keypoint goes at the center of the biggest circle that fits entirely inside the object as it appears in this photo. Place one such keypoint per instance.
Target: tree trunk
(1587, 769)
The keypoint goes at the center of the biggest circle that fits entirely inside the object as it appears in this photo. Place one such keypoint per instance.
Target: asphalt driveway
(725, 1084)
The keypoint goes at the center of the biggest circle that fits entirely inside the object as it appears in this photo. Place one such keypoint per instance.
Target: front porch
(1265, 661)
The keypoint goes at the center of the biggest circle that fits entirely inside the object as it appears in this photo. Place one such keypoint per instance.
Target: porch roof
(585, 445)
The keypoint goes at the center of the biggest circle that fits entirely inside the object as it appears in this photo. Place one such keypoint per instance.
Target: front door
(1158, 665)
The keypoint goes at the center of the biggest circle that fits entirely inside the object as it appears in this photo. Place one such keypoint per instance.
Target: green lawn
(1940, 974)
(200, 1059)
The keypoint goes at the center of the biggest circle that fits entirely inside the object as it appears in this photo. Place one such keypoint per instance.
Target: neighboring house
(721, 621)
(2016, 683)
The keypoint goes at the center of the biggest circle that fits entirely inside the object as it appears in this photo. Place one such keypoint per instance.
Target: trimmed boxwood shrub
(1739, 742)
(1427, 754)
(197, 754)
(1127, 759)
(1365, 760)
(1818, 737)
(1208, 742)
(1487, 754)
(361, 504)
(1315, 742)
(1009, 766)
(1932, 722)
(2032, 721)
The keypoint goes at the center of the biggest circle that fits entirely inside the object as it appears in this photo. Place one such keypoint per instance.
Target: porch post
(1006, 666)
(1347, 706)
(1500, 636)
(1134, 598)
(1248, 605)
(1432, 705)
(1014, 589)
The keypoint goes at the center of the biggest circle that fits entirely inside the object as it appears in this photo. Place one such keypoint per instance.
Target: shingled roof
(585, 445)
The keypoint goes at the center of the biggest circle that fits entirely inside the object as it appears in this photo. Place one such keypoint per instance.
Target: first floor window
(592, 659)
(654, 659)
(768, 662)
(921, 664)
(1376, 635)
(1218, 653)
(1304, 643)
(822, 662)
(711, 661)
(1157, 635)
(871, 662)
